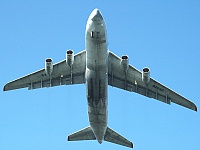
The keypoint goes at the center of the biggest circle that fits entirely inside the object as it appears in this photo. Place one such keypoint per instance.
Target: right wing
(61, 75)
(132, 81)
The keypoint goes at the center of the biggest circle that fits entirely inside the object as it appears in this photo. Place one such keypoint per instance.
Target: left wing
(62, 75)
(132, 81)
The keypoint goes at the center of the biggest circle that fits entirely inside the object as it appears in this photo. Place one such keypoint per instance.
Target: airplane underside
(98, 68)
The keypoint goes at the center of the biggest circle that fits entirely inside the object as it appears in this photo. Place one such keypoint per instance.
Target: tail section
(110, 136)
(84, 134)
(114, 137)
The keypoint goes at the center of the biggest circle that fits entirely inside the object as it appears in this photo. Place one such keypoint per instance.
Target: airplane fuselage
(97, 74)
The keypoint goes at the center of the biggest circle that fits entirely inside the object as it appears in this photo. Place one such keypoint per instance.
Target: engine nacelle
(70, 57)
(48, 66)
(125, 62)
(146, 75)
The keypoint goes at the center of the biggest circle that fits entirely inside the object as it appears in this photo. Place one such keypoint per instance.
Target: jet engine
(48, 66)
(146, 75)
(70, 57)
(125, 62)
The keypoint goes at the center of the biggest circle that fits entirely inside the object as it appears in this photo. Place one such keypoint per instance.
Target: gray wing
(61, 75)
(132, 81)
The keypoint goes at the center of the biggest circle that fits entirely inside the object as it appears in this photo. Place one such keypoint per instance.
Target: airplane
(97, 67)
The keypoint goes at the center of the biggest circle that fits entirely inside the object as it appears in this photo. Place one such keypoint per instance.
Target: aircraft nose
(96, 14)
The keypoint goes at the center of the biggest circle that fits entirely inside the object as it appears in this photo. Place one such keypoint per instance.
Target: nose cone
(96, 14)
(96, 11)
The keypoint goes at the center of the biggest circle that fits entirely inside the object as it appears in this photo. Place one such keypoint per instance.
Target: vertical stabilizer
(114, 137)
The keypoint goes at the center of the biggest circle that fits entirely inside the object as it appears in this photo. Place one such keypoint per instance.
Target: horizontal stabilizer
(114, 137)
(84, 134)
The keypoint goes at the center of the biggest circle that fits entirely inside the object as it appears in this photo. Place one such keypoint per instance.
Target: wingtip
(132, 145)
(196, 109)
(4, 88)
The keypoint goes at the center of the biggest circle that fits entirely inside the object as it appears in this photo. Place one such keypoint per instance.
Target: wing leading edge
(132, 81)
(62, 75)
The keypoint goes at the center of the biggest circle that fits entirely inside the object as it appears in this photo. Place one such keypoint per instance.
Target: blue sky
(162, 35)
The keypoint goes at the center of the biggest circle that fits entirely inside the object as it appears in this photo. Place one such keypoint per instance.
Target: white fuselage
(97, 73)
